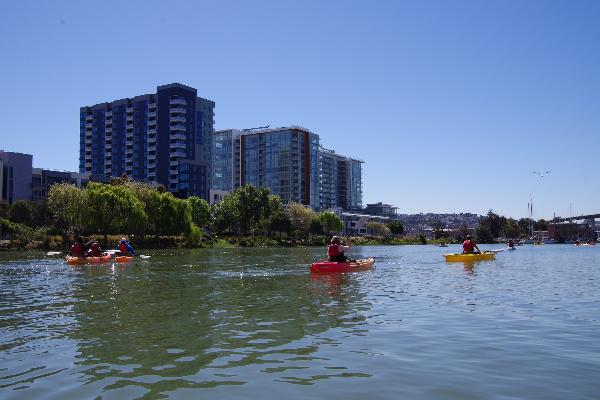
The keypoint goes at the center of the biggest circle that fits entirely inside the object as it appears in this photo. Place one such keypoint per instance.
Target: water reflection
(208, 321)
(233, 322)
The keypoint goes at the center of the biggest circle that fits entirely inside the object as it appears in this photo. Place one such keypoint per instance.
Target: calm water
(252, 323)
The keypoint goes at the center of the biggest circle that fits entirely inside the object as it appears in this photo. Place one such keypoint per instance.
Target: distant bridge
(577, 218)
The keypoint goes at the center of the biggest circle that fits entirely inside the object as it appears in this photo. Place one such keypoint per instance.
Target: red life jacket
(333, 250)
(468, 246)
(123, 247)
(76, 249)
(95, 250)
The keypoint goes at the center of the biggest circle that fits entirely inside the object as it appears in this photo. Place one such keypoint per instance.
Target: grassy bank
(36, 240)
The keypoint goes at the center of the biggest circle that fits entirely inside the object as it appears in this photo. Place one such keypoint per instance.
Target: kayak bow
(324, 267)
(470, 257)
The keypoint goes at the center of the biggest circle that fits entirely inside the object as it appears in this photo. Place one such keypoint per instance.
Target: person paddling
(469, 246)
(77, 249)
(95, 250)
(335, 251)
(511, 244)
(125, 248)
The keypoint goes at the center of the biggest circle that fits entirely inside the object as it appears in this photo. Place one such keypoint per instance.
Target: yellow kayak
(470, 257)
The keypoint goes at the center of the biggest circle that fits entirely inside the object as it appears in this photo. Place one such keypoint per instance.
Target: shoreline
(57, 243)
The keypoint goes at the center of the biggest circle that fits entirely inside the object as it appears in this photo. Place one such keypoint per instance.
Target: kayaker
(77, 249)
(469, 246)
(335, 250)
(95, 250)
(125, 248)
(511, 244)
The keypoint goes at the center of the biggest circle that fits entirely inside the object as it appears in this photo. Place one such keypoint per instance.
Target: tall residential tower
(341, 181)
(161, 138)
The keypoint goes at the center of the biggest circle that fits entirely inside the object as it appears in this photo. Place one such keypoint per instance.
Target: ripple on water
(230, 323)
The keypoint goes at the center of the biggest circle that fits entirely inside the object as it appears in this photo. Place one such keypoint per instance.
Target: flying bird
(541, 174)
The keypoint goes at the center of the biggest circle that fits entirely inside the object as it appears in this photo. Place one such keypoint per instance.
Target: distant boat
(442, 245)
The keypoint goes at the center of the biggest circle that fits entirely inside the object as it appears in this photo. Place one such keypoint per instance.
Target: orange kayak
(324, 267)
(88, 260)
(123, 259)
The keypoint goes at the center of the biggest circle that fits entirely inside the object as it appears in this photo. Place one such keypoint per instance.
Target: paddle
(54, 253)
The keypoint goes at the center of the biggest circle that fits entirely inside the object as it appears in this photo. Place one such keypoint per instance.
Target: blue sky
(451, 104)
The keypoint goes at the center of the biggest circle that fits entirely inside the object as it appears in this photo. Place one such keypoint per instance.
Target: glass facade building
(341, 181)
(161, 138)
(290, 162)
(285, 160)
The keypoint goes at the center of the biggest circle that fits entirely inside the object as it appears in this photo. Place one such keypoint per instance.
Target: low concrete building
(15, 176)
(43, 179)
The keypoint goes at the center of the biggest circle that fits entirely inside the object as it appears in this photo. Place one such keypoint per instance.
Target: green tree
(41, 213)
(396, 227)
(377, 228)
(166, 215)
(4, 209)
(279, 222)
(541, 225)
(226, 214)
(113, 209)
(422, 239)
(200, 211)
(301, 217)
(316, 227)
(68, 205)
(495, 223)
(484, 234)
(21, 212)
(463, 231)
(330, 221)
(250, 203)
(512, 229)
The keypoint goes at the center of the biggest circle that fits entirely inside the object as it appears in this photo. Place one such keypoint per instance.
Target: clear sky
(451, 104)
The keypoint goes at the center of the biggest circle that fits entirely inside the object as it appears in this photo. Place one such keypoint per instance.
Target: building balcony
(108, 129)
(129, 118)
(89, 118)
(178, 128)
(178, 110)
(151, 157)
(174, 162)
(178, 102)
(152, 106)
(152, 114)
(177, 153)
(152, 131)
(179, 135)
(88, 164)
(151, 147)
(108, 114)
(178, 145)
(183, 120)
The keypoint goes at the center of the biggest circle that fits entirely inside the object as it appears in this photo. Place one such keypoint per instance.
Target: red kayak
(324, 267)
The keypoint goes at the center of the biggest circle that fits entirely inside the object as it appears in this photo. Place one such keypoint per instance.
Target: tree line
(492, 226)
(136, 208)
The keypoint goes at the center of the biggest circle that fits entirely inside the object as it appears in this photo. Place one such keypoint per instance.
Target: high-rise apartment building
(340, 181)
(162, 138)
(285, 160)
(288, 161)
